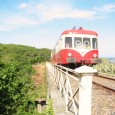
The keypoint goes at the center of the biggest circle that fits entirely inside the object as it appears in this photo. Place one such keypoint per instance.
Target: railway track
(105, 82)
(103, 95)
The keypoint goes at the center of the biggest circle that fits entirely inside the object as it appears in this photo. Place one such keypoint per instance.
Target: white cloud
(23, 6)
(60, 11)
(35, 13)
(16, 22)
(20, 20)
(40, 13)
(7, 27)
(82, 14)
(106, 8)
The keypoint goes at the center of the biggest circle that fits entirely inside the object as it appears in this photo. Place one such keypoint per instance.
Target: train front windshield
(86, 43)
(94, 43)
(78, 42)
(68, 42)
(81, 43)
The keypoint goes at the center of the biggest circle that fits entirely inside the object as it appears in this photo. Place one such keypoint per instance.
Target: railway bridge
(70, 90)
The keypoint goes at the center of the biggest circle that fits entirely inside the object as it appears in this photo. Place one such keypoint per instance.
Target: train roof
(79, 31)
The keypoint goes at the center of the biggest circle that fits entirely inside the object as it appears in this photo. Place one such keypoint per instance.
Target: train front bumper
(96, 60)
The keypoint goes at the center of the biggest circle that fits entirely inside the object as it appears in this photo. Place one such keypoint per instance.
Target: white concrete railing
(76, 89)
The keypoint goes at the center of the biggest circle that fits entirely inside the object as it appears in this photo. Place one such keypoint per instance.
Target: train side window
(94, 43)
(78, 42)
(86, 43)
(68, 42)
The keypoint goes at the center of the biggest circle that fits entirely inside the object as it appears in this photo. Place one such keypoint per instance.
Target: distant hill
(112, 59)
(11, 52)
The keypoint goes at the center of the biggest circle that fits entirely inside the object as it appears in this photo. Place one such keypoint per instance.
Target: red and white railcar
(76, 46)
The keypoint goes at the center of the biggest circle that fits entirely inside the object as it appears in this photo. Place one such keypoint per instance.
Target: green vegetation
(16, 84)
(106, 67)
(20, 53)
(49, 110)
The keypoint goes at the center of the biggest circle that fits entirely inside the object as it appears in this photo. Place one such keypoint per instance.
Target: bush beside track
(106, 67)
(16, 84)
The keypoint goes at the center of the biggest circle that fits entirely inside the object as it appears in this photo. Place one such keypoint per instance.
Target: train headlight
(94, 55)
(69, 54)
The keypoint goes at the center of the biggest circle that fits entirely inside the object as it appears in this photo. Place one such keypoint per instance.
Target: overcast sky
(39, 23)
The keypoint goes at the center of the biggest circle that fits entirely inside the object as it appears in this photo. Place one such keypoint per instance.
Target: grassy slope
(11, 53)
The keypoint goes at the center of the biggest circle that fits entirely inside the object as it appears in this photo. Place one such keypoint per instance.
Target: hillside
(11, 52)
(16, 82)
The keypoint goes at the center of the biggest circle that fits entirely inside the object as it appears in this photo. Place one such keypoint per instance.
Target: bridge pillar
(85, 89)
